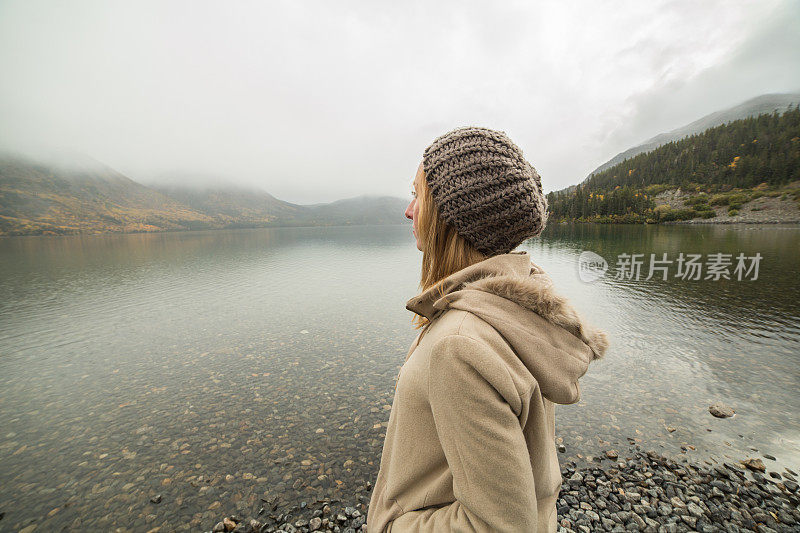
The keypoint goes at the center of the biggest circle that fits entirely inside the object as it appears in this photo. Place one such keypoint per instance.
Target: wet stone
(754, 464)
(720, 410)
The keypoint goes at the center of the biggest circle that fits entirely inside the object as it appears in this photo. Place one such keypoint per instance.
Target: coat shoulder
(463, 323)
(460, 323)
(467, 346)
(484, 347)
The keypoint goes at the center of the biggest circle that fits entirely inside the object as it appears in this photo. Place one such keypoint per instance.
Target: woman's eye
(413, 194)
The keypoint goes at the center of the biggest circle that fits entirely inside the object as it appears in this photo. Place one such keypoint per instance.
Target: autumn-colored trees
(757, 151)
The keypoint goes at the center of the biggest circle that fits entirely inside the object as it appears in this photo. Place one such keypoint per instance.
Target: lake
(218, 369)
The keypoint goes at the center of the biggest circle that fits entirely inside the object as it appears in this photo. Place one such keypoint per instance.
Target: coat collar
(518, 263)
(514, 277)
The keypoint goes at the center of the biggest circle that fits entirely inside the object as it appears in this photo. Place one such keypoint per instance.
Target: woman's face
(412, 211)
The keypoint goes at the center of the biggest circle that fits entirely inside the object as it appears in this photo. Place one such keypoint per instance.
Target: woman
(470, 444)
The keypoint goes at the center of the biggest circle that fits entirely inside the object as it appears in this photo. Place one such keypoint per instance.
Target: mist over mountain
(231, 201)
(362, 210)
(68, 193)
(62, 192)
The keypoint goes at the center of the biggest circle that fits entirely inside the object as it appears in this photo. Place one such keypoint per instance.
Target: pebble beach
(636, 491)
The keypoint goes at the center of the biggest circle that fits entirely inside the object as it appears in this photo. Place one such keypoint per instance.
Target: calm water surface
(221, 368)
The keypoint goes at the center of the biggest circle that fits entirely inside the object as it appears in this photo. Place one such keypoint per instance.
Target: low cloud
(315, 101)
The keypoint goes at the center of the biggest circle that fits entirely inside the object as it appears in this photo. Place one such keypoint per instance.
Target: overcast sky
(318, 101)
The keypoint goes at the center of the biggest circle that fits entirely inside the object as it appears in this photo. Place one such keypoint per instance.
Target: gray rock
(638, 520)
(241, 527)
(593, 516)
(694, 510)
(720, 410)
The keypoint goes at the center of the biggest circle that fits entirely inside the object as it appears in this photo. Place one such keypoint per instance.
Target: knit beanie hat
(485, 189)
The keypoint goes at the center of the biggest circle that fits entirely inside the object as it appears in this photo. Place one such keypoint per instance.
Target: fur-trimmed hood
(516, 297)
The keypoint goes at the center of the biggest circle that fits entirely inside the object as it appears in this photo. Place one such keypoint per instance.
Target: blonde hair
(444, 251)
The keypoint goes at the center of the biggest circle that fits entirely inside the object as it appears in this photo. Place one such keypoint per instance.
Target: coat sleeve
(471, 395)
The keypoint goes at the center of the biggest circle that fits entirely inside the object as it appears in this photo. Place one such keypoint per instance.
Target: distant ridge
(232, 202)
(68, 194)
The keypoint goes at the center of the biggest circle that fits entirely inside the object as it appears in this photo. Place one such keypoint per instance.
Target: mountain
(239, 205)
(83, 196)
(75, 194)
(723, 168)
(232, 203)
(358, 211)
(766, 103)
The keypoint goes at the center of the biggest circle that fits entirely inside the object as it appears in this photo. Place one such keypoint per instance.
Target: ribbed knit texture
(484, 187)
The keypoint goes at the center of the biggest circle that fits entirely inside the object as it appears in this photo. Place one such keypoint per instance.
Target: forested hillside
(765, 103)
(39, 198)
(727, 165)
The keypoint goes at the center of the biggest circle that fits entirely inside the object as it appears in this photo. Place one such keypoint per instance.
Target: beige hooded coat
(470, 444)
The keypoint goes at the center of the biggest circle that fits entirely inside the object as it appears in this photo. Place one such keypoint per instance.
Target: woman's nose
(409, 211)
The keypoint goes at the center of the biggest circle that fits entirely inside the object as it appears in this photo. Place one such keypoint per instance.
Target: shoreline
(93, 233)
(731, 222)
(708, 221)
(673, 206)
(711, 221)
(640, 490)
